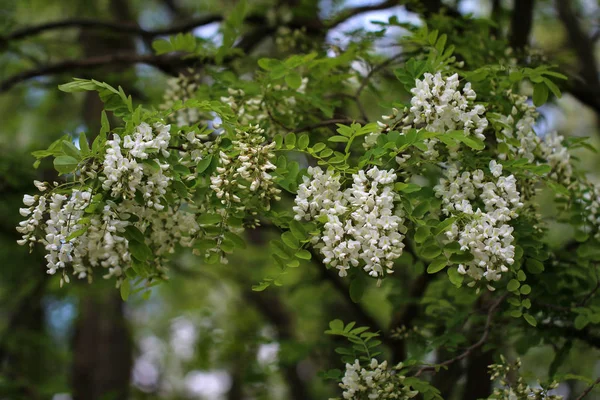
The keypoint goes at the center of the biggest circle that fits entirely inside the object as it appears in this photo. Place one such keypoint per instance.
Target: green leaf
(290, 240)
(235, 239)
(204, 164)
(443, 226)
(513, 285)
(209, 219)
(76, 234)
(337, 325)
(125, 289)
(421, 209)
(472, 142)
(421, 234)
(525, 289)
(455, 277)
(83, 144)
(162, 46)
(534, 266)
(581, 321)
(437, 265)
(553, 88)
(140, 251)
(338, 139)
(540, 94)
(304, 254)
(133, 233)
(65, 164)
(269, 64)
(530, 319)
(261, 286)
(290, 140)
(407, 187)
(318, 147)
(431, 251)
(303, 142)
(293, 79)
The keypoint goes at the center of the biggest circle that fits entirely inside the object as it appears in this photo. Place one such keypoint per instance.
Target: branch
(328, 122)
(360, 10)
(588, 390)
(586, 89)
(486, 332)
(271, 307)
(164, 63)
(112, 26)
(521, 22)
(410, 314)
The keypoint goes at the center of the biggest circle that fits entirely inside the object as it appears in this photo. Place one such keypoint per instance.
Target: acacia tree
(439, 186)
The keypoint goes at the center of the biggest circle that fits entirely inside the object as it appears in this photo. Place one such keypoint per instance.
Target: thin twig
(328, 122)
(374, 70)
(594, 290)
(588, 390)
(474, 346)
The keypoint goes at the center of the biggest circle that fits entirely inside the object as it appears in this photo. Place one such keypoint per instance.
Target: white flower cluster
(359, 224)
(72, 237)
(589, 199)
(249, 174)
(518, 126)
(125, 171)
(513, 386)
(75, 235)
(486, 233)
(558, 157)
(439, 106)
(375, 381)
(519, 137)
(182, 88)
(252, 110)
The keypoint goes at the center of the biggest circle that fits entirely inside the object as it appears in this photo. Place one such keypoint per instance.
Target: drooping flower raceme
(519, 140)
(486, 209)
(359, 224)
(249, 172)
(182, 88)
(82, 229)
(125, 171)
(375, 381)
(254, 110)
(438, 106)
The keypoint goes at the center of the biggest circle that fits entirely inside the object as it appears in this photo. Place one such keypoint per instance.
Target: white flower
(495, 168)
(29, 200)
(486, 233)
(361, 224)
(42, 186)
(376, 381)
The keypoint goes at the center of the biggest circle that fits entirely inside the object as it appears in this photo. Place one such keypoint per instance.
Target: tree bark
(102, 347)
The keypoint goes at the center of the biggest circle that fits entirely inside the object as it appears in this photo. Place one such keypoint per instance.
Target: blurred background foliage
(205, 334)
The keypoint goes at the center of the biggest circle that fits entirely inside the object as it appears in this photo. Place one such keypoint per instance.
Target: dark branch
(587, 87)
(112, 26)
(588, 390)
(406, 318)
(360, 10)
(165, 63)
(280, 317)
(486, 332)
(521, 23)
